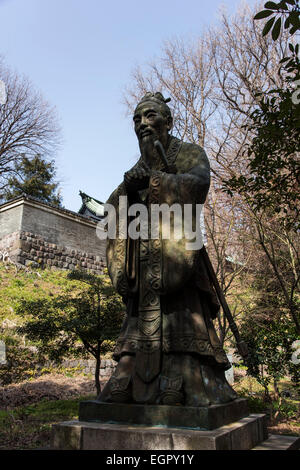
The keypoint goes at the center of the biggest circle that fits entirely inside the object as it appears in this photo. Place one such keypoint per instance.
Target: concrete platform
(244, 434)
(201, 418)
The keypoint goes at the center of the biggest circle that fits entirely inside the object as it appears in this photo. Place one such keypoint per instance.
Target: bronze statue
(168, 351)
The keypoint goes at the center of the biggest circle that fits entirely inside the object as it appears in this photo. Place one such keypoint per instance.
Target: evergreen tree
(34, 177)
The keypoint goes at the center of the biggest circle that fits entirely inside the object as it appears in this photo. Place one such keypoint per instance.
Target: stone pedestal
(244, 434)
(113, 426)
(201, 418)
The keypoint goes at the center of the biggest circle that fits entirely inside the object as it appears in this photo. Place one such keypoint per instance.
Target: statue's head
(152, 118)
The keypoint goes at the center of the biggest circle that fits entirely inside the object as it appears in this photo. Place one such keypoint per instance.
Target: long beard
(149, 153)
(154, 163)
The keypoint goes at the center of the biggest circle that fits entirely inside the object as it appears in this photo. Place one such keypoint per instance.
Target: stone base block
(201, 418)
(244, 434)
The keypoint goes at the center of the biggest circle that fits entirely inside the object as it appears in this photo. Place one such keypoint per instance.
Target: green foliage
(267, 325)
(286, 409)
(279, 407)
(272, 178)
(286, 13)
(256, 404)
(272, 181)
(34, 177)
(270, 339)
(23, 362)
(20, 285)
(85, 319)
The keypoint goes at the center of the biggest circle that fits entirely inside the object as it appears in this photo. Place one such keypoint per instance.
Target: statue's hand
(137, 178)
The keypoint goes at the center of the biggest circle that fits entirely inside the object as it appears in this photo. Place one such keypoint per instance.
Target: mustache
(146, 132)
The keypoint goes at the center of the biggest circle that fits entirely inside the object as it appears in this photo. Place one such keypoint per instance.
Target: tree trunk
(278, 398)
(267, 397)
(294, 314)
(97, 374)
(276, 390)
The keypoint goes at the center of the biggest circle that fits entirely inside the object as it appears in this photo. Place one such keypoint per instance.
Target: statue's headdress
(159, 99)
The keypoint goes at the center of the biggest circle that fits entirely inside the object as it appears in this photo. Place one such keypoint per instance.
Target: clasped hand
(137, 178)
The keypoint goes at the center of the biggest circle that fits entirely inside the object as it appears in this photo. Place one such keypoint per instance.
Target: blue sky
(80, 54)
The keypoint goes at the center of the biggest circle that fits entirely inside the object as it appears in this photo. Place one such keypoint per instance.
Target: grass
(29, 427)
(28, 285)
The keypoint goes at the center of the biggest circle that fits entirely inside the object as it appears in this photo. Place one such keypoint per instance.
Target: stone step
(279, 442)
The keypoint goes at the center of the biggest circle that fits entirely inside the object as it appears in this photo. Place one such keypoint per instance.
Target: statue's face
(150, 123)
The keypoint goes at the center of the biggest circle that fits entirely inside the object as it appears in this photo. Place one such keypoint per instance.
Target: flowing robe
(165, 285)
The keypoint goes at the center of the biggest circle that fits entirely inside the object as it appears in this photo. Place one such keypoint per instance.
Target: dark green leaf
(268, 26)
(294, 19)
(290, 63)
(287, 23)
(291, 47)
(297, 49)
(283, 6)
(276, 29)
(285, 59)
(272, 6)
(263, 14)
(293, 30)
(290, 2)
